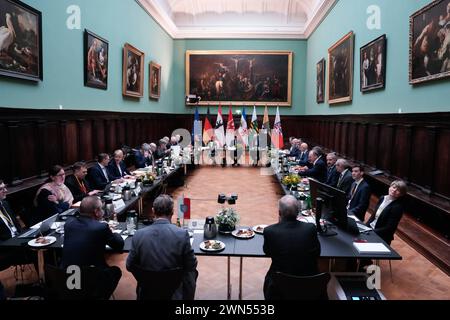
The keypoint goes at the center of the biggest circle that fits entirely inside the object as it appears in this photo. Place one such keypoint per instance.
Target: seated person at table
(332, 174)
(142, 156)
(295, 148)
(302, 158)
(318, 168)
(359, 194)
(9, 228)
(162, 150)
(345, 179)
(292, 245)
(77, 183)
(117, 168)
(53, 197)
(389, 211)
(98, 175)
(85, 239)
(163, 246)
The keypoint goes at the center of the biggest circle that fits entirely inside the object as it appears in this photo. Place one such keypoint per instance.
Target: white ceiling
(194, 19)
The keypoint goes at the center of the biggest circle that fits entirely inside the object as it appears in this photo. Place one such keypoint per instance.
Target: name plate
(118, 205)
(137, 191)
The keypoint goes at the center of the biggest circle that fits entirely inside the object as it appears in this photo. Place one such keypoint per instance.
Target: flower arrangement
(290, 180)
(226, 219)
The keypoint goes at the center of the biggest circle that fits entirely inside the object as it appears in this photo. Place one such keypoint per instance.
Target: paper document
(367, 247)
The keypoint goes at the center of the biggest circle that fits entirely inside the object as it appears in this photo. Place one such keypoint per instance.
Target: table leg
(140, 206)
(41, 273)
(240, 277)
(228, 280)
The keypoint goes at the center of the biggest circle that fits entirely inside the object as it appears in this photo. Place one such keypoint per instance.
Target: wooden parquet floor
(414, 276)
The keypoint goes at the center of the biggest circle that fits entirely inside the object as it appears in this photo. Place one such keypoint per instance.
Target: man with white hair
(292, 245)
(332, 174)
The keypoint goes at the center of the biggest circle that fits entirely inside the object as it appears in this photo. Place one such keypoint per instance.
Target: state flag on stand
(277, 132)
(266, 124)
(197, 132)
(208, 132)
(229, 139)
(219, 130)
(243, 132)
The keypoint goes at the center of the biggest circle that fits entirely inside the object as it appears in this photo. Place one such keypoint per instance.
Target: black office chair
(290, 287)
(157, 285)
(93, 283)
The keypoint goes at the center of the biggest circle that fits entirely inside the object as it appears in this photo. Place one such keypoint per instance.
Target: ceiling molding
(164, 17)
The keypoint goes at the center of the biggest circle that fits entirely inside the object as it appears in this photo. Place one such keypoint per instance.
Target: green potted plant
(226, 219)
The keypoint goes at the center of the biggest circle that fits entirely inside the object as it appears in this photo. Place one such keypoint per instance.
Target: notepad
(367, 247)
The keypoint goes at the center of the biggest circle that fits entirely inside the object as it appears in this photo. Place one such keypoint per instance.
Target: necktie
(340, 179)
(353, 189)
(4, 214)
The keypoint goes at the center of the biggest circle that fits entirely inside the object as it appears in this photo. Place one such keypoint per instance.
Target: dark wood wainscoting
(33, 140)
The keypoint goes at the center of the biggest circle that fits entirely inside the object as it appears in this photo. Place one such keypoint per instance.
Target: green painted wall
(298, 79)
(351, 15)
(118, 21)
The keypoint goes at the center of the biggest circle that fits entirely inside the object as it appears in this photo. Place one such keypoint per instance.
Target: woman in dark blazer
(116, 167)
(389, 211)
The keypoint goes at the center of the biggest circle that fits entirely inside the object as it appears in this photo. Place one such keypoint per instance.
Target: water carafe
(210, 228)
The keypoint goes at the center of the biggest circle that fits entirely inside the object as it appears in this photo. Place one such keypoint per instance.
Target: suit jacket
(388, 220)
(317, 171)
(84, 242)
(302, 158)
(294, 249)
(5, 233)
(141, 161)
(113, 170)
(295, 152)
(97, 178)
(346, 182)
(72, 183)
(360, 201)
(332, 176)
(163, 246)
(46, 208)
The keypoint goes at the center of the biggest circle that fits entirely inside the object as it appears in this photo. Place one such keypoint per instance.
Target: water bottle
(131, 222)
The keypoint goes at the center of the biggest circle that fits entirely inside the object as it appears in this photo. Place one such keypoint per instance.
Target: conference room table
(19, 242)
(339, 246)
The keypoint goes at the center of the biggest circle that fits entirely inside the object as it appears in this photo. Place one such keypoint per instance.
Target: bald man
(292, 245)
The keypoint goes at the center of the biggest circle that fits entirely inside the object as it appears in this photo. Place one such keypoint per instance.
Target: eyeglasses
(61, 175)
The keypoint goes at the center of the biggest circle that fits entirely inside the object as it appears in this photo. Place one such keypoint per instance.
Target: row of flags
(248, 136)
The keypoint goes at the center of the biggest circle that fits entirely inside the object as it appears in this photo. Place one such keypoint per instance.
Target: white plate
(204, 248)
(33, 243)
(263, 226)
(243, 236)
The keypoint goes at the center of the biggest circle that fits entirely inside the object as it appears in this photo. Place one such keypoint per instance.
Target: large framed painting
(155, 80)
(373, 65)
(20, 41)
(429, 43)
(340, 70)
(240, 77)
(320, 86)
(133, 72)
(95, 61)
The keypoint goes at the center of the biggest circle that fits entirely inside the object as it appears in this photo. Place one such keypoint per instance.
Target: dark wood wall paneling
(413, 147)
(34, 140)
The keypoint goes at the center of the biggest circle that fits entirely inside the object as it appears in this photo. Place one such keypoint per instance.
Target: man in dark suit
(389, 211)
(116, 167)
(98, 175)
(85, 239)
(77, 183)
(303, 155)
(359, 194)
(164, 246)
(9, 228)
(143, 157)
(318, 168)
(292, 245)
(345, 179)
(295, 149)
(332, 174)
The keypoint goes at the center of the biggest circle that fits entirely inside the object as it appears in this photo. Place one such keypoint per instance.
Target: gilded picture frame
(155, 80)
(133, 72)
(238, 77)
